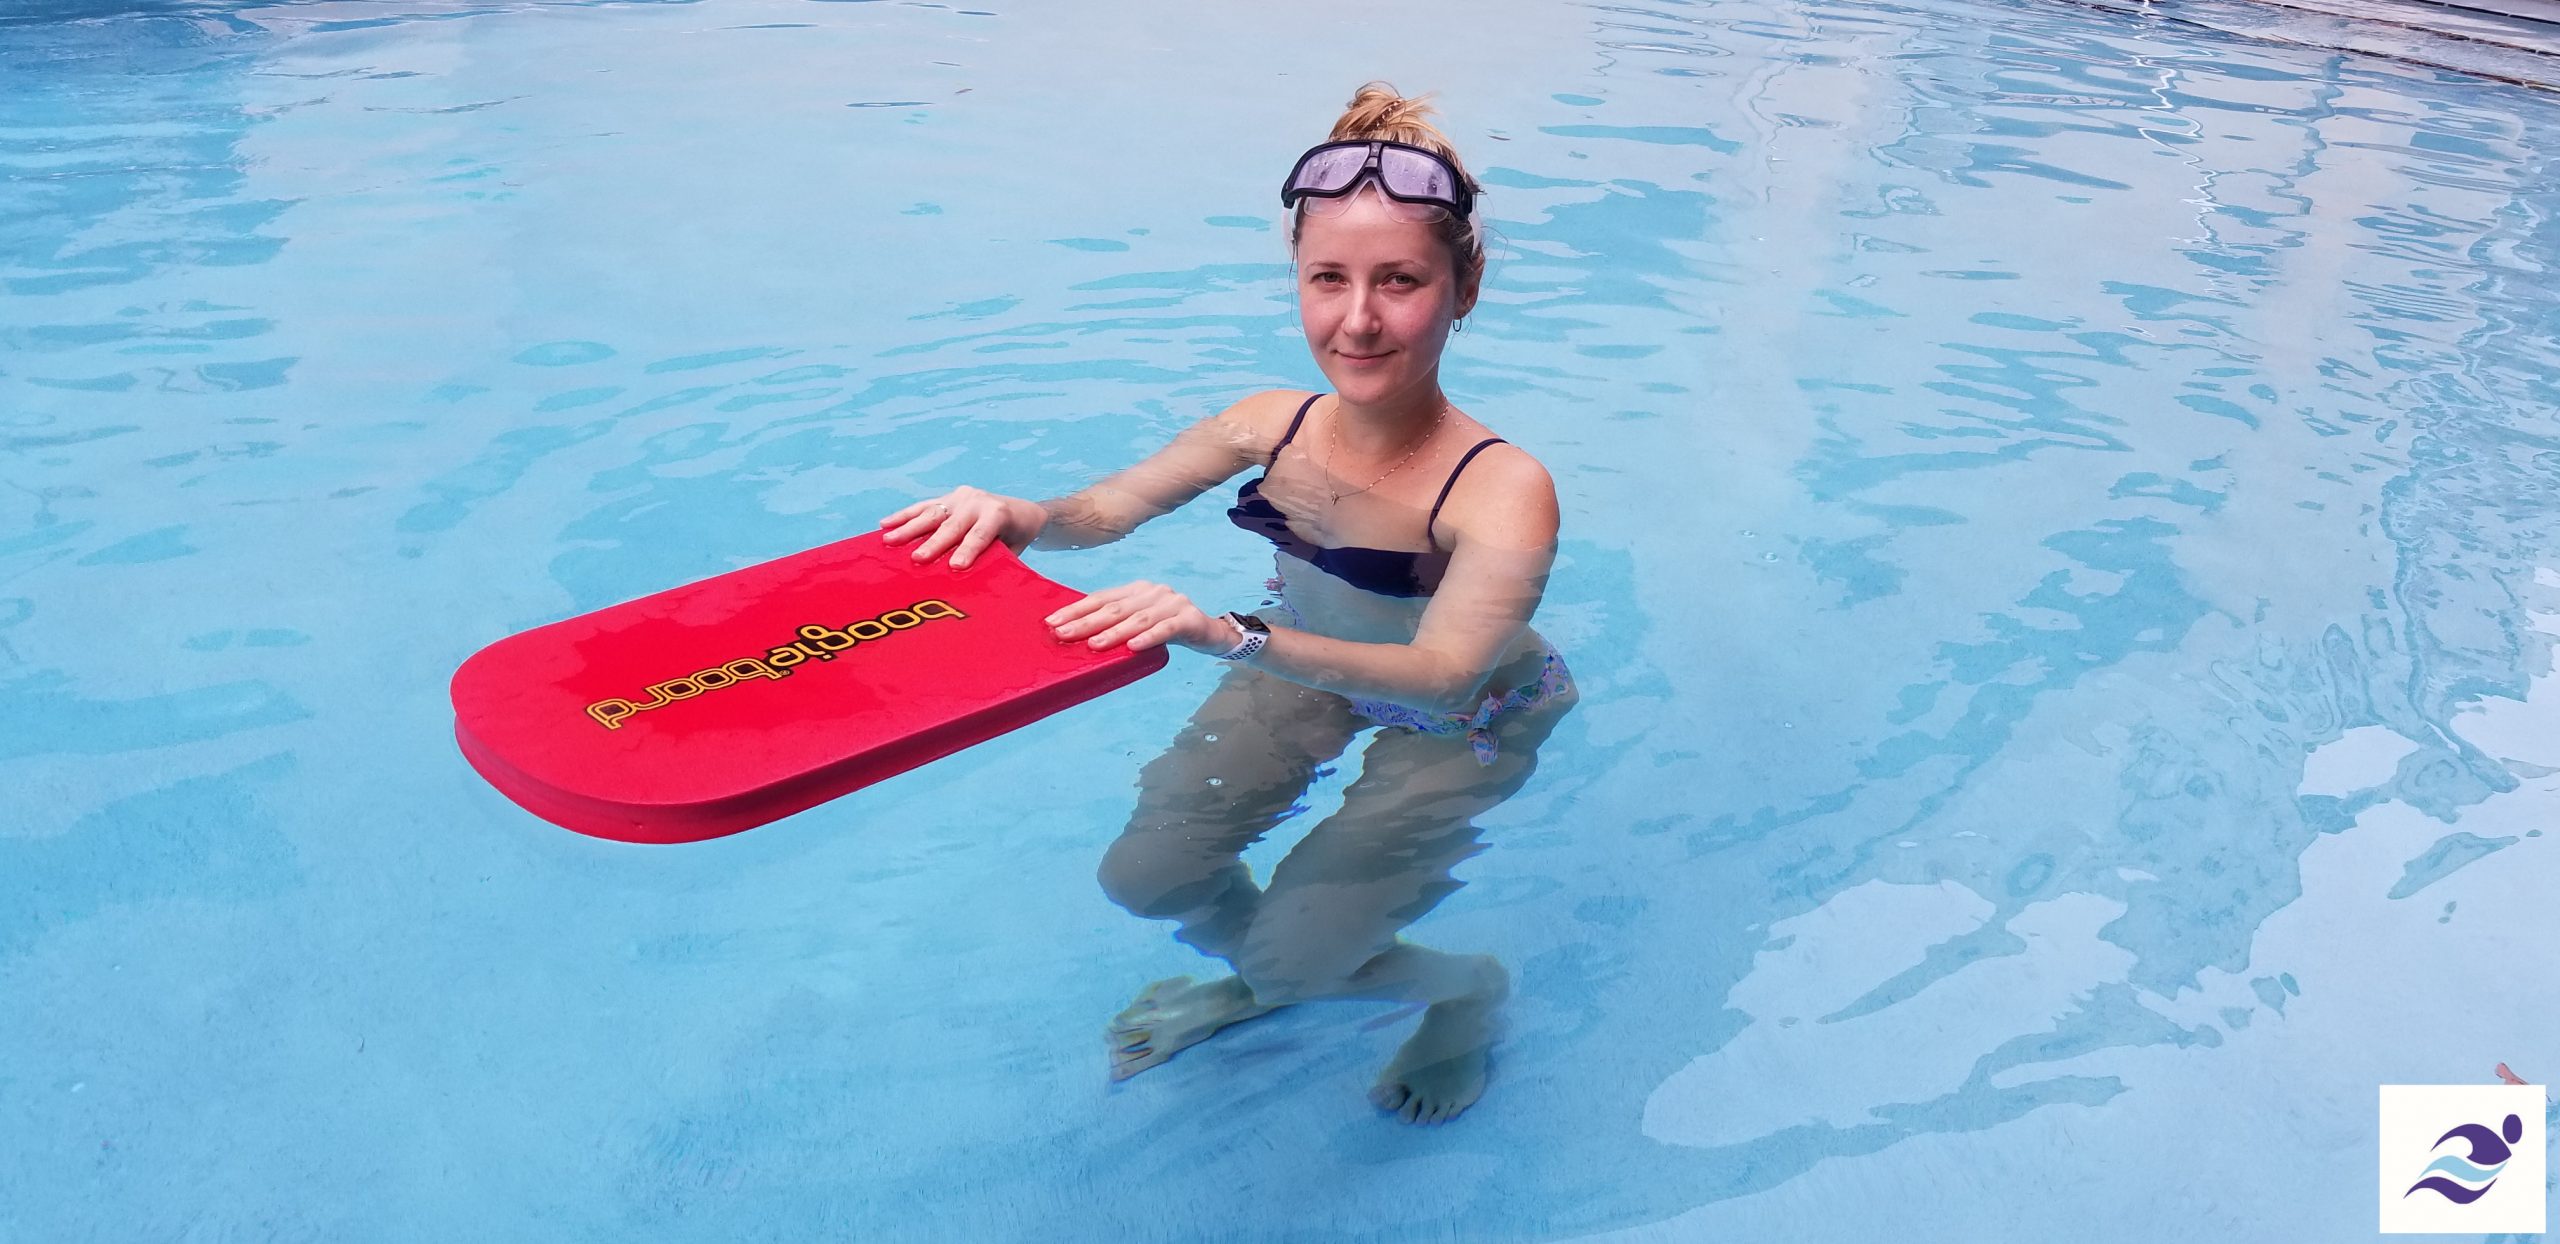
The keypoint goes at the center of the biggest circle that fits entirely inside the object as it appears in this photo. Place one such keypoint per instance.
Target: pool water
(2062, 555)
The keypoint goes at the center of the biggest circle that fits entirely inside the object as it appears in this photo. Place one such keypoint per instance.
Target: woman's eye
(1402, 281)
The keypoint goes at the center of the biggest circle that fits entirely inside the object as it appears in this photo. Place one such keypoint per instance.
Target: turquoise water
(2060, 556)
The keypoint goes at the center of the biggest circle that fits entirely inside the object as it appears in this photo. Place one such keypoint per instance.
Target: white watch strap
(1247, 643)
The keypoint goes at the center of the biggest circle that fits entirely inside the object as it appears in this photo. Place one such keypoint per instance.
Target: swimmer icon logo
(2462, 1158)
(2453, 1176)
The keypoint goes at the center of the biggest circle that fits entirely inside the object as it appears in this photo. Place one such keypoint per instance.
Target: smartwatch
(1251, 634)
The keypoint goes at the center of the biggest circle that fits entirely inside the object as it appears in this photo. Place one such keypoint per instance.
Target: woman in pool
(1414, 546)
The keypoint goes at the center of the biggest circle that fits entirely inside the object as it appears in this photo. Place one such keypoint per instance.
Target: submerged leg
(1236, 770)
(1328, 927)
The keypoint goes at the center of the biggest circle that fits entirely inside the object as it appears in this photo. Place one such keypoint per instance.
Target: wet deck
(2511, 40)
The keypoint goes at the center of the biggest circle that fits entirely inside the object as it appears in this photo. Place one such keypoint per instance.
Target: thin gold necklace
(1333, 451)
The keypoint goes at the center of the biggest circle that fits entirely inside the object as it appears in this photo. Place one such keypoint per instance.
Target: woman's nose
(1362, 317)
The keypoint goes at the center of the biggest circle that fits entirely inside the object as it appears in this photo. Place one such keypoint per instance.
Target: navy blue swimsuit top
(1388, 572)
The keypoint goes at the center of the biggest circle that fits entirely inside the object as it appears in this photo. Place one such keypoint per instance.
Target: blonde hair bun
(1378, 111)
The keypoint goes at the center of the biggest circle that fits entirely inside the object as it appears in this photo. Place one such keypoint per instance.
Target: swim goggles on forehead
(1414, 179)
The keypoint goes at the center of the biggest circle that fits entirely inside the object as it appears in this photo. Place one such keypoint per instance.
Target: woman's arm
(1200, 458)
(1504, 524)
(965, 521)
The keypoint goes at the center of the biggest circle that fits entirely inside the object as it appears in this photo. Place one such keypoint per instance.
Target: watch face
(1251, 623)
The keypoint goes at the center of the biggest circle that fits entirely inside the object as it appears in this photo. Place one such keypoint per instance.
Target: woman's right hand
(963, 522)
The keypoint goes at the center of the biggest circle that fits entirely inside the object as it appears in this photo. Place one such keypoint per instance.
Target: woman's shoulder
(1258, 421)
(1270, 405)
(1503, 487)
(1502, 467)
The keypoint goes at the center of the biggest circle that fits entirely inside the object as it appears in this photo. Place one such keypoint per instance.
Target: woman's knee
(1160, 876)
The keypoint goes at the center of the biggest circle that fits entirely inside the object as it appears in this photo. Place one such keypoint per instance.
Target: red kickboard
(720, 705)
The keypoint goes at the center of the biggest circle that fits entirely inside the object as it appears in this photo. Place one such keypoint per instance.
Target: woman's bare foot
(1440, 1070)
(1174, 1013)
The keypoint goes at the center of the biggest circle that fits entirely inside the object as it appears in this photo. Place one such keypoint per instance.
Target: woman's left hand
(1142, 615)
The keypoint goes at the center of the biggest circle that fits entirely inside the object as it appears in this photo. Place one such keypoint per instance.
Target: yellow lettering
(754, 669)
(815, 642)
(819, 635)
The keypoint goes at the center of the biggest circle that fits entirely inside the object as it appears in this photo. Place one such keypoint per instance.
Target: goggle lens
(1330, 172)
(1414, 175)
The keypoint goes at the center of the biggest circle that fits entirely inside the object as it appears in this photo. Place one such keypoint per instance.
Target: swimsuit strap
(1431, 526)
(1292, 433)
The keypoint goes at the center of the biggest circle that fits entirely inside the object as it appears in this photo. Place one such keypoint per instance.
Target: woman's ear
(1467, 291)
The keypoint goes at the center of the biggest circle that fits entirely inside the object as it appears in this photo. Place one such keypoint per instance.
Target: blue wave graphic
(2462, 1170)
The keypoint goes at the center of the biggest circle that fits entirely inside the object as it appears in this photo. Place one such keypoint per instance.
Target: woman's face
(1377, 296)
